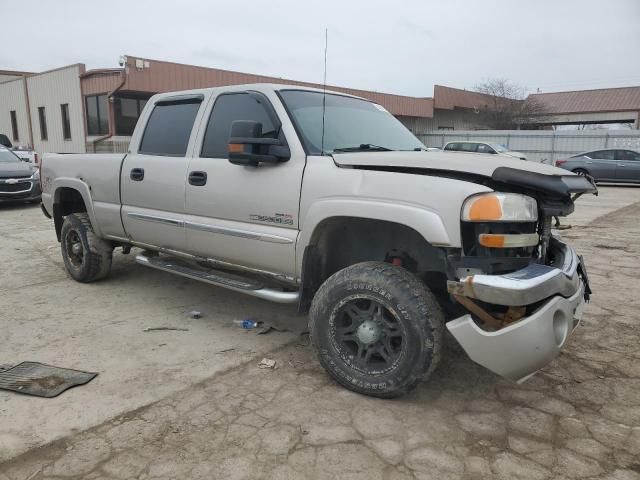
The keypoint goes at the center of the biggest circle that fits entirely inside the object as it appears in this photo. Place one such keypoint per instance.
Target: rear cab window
(168, 129)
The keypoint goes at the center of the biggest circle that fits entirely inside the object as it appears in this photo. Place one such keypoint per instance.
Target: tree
(507, 105)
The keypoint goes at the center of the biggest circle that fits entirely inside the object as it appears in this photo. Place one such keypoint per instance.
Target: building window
(66, 122)
(97, 115)
(127, 110)
(14, 126)
(445, 128)
(43, 123)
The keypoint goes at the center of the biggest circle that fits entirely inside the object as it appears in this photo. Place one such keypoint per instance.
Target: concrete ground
(176, 405)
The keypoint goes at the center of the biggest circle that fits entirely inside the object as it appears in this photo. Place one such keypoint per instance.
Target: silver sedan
(606, 165)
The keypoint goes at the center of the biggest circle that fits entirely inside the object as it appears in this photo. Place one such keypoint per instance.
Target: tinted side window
(627, 155)
(169, 128)
(227, 109)
(452, 146)
(601, 155)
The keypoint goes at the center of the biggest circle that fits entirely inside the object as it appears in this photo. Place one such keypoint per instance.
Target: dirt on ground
(577, 418)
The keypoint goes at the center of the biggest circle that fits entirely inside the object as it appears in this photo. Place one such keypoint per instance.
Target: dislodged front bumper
(519, 349)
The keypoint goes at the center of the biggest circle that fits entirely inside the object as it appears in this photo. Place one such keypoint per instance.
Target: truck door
(153, 176)
(601, 164)
(628, 166)
(240, 214)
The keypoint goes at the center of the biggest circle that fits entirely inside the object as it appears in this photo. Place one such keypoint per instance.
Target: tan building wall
(458, 119)
(13, 97)
(50, 90)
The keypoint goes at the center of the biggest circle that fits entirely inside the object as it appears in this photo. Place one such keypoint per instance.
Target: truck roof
(260, 87)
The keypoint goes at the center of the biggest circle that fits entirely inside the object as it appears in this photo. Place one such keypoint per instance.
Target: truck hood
(473, 167)
(475, 163)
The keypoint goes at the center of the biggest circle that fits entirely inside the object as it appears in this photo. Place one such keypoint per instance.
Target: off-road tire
(406, 299)
(94, 260)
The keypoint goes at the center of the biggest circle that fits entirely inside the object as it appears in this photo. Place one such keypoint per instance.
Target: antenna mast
(324, 85)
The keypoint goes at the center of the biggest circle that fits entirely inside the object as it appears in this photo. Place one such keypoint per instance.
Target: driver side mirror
(247, 146)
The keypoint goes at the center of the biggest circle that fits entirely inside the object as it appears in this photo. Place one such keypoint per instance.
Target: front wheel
(377, 329)
(86, 256)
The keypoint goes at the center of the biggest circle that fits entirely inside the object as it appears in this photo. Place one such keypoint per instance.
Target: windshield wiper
(363, 147)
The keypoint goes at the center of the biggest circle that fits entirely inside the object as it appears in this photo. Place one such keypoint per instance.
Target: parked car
(278, 192)
(4, 141)
(606, 165)
(483, 147)
(24, 152)
(19, 180)
(27, 154)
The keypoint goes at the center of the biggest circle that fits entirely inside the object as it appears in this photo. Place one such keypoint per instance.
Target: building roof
(15, 72)
(589, 101)
(161, 76)
(448, 98)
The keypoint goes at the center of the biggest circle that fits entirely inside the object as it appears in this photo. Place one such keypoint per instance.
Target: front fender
(426, 222)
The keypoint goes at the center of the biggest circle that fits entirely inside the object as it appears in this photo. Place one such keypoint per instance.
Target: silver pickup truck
(325, 200)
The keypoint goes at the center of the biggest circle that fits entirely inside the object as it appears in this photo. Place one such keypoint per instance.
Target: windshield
(7, 156)
(350, 124)
(499, 148)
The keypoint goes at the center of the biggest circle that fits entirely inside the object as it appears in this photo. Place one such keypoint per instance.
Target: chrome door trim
(152, 218)
(236, 232)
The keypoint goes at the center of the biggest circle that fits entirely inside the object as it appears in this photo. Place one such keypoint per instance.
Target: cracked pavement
(577, 418)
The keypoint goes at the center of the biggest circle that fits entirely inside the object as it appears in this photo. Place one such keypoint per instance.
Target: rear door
(239, 214)
(601, 164)
(153, 176)
(628, 166)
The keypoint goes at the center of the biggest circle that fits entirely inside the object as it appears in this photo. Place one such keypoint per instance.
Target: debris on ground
(42, 380)
(163, 329)
(267, 363)
(225, 350)
(266, 328)
(195, 314)
(247, 323)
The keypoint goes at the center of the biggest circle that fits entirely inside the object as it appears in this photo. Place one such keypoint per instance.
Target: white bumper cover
(519, 350)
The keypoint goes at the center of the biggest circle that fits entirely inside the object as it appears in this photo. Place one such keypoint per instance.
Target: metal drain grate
(40, 380)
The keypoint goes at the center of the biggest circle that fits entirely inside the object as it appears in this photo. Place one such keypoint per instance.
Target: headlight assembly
(500, 207)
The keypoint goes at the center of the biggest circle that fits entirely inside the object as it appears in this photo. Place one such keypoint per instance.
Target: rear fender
(85, 192)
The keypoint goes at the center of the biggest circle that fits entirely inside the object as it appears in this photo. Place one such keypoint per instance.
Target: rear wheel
(376, 328)
(580, 171)
(86, 256)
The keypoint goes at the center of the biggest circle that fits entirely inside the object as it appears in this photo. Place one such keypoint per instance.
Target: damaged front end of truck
(523, 287)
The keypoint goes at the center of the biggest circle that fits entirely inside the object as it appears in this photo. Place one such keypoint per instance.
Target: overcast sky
(401, 46)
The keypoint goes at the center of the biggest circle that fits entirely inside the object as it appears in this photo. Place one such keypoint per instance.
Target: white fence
(544, 146)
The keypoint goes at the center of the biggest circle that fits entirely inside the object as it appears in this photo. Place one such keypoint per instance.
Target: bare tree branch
(508, 106)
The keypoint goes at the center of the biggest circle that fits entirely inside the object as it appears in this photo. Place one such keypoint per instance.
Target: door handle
(588, 162)
(622, 165)
(137, 174)
(197, 179)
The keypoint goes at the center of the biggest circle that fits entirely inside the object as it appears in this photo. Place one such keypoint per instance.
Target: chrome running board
(217, 278)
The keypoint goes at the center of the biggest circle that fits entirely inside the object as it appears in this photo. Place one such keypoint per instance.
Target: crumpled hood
(16, 169)
(474, 163)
